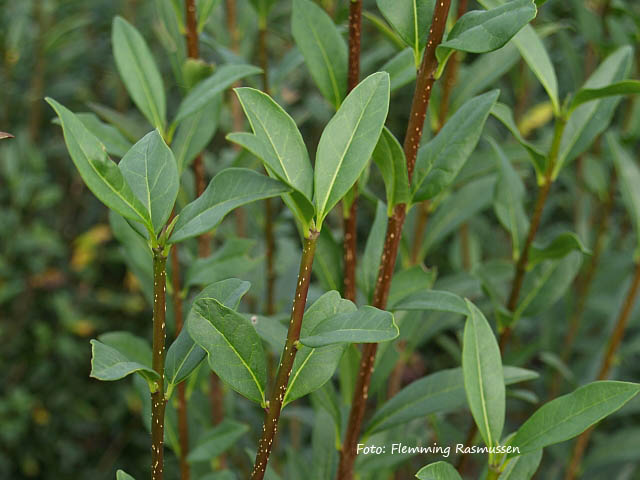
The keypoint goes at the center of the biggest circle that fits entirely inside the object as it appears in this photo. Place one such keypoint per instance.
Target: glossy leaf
(99, 172)
(585, 95)
(557, 248)
(228, 190)
(217, 440)
(367, 325)
(484, 31)
(233, 347)
(389, 157)
(629, 178)
(108, 364)
(442, 391)
(483, 376)
(410, 19)
(440, 160)
(568, 416)
(150, 169)
(347, 143)
(431, 300)
(438, 471)
(313, 367)
(323, 48)
(139, 72)
(207, 90)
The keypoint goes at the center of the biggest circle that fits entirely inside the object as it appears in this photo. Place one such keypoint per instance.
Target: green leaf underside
(566, 417)
(234, 348)
(208, 89)
(101, 175)
(229, 189)
(438, 471)
(313, 367)
(366, 325)
(109, 364)
(347, 143)
(442, 391)
(483, 376)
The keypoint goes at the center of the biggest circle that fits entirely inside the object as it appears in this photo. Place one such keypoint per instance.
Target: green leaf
(629, 178)
(408, 281)
(401, 69)
(442, 391)
(411, 20)
(114, 141)
(440, 160)
(205, 91)
(430, 300)
(522, 467)
(108, 364)
(313, 367)
(438, 471)
(503, 113)
(195, 132)
(590, 119)
(229, 189)
(121, 475)
(485, 31)
(483, 376)
(205, 9)
(368, 265)
(389, 157)
(570, 415)
(348, 141)
(508, 200)
(131, 126)
(139, 72)
(585, 95)
(262, 8)
(323, 48)
(150, 170)
(558, 248)
(234, 348)
(281, 146)
(327, 262)
(99, 172)
(134, 348)
(232, 259)
(325, 454)
(217, 440)
(366, 325)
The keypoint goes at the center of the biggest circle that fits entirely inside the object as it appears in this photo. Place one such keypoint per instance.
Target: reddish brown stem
(350, 217)
(421, 98)
(274, 406)
(614, 342)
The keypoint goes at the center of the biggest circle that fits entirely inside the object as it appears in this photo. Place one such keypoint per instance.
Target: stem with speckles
(421, 97)
(158, 401)
(272, 415)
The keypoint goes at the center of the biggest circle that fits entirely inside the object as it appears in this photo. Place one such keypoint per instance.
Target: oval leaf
(438, 471)
(108, 364)
(410, 19)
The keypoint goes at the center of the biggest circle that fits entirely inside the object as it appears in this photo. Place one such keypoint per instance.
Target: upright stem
(543, 193)
(350, 214)
(421, 98)
(274, 406)
(158, 401)
(605, 367)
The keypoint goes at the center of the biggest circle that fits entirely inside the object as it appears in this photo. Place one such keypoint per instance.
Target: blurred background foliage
(64, 279)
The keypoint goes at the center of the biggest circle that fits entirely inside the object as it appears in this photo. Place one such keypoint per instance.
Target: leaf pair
(343, 151)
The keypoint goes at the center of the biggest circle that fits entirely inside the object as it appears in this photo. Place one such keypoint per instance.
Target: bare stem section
(415, 126)
(272, 415)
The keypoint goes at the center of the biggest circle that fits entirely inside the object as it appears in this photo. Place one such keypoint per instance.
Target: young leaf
(585, 95)
(139, 72)
(313, 367)
(367, 325)
(438, 471)
(522, 467)
(440, 160)
(323, 48)
(205, 91)
(570, 415)
(590, 119)
(483, 377)
(430, 300)
(348, 141)
(234, 348)
(629, 178)
(411, 20)
(281, 146)
(390, 159)
(150, 170)
(229, 189)
(99, 172)
(508, 200)
(216, 440)
(122, 475)
(485, 31)
(558, 248)
(108, 364)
